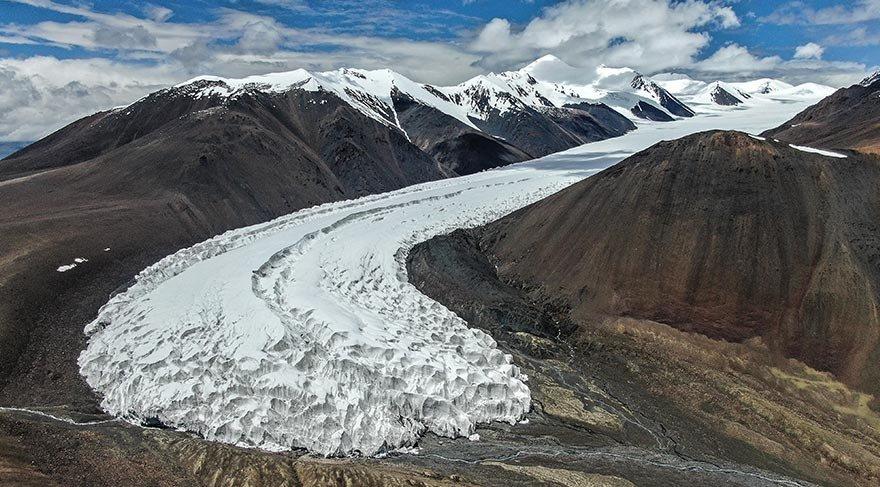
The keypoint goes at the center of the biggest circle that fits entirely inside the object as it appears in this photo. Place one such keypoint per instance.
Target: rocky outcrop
(650, 112)
(611, 119)
(666, 99)
(458, 148)
(540, 131)
(720, 96)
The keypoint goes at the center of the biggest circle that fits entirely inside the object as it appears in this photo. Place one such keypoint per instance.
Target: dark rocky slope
(457, 147)
(610, 119)
(545, 130)
(650, 112)
(666, 99)
(165, 173)
(848, 119)
(721, 234)
(723, 97)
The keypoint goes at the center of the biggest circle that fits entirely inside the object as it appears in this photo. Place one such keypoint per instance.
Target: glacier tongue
(256, 338)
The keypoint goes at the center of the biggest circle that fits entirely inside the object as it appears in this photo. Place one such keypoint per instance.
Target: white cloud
(644, 34)
(261, 36)
(248, 43)
(158, 13)
(136, 37)
(858, 36)
(736, 63)
(810, 50)
(734, 58)
(42, 94)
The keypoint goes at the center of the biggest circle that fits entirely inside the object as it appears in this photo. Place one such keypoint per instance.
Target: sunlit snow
(76, 262)
(813, 150)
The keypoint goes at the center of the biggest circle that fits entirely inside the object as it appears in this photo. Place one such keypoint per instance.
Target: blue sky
(63, 59)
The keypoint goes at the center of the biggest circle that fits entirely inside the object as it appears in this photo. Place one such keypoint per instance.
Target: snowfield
(303, 332)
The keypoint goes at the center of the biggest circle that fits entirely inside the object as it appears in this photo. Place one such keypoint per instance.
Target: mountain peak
(546, 58)
(284, 78)
(552, 69)
(870, 80)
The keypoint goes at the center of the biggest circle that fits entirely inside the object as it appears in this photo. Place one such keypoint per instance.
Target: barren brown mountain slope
(848, 119)
(172, 171)
(721, 234)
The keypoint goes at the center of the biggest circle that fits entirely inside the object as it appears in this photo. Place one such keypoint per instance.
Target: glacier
(303, 332)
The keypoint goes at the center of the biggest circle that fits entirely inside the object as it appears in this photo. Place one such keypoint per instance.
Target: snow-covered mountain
(716, 95)
(546, 84)
(501, 104)
(487, 121)
(743, 94)
(763, 86)
(528, 117)
(870, 80)
(720, 93)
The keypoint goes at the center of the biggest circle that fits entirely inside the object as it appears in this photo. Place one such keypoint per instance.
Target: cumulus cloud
(734, 62)
(261, 36)
(734, 58)
(810, 50)
(644, 34)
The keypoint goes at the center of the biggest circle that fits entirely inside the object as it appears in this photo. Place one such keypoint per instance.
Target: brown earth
(647, 384)
(721, 234)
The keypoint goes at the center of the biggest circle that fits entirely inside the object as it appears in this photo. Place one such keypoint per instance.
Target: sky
(61, 60)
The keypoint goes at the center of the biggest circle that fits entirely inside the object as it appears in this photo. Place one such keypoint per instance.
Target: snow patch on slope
(823, 152)
(66, 267)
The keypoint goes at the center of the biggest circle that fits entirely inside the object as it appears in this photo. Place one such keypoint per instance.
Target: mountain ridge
(847, 119)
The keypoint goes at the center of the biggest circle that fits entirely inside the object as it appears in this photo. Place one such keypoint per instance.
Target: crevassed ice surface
(303, 332)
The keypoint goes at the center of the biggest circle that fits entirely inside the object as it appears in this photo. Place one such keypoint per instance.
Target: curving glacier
(303, 332)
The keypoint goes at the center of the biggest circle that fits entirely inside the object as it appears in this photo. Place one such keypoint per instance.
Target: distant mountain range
(487, 121)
